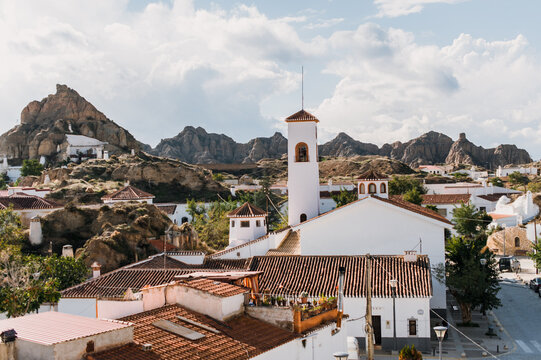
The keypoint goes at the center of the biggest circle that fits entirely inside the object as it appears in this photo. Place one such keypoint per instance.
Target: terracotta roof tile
(239, 338)
(291, 275)
(128, 193)
(20, 201)
(492, 197)
(301, 115)
(129, 351)
(291, 245)
(168, 209)
(372, 175)
(159, 245)
(446, 198)
(398, 201)
(214, 287)
(247, 210)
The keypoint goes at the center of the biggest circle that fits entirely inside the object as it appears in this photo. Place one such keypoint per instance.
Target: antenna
(302, 87)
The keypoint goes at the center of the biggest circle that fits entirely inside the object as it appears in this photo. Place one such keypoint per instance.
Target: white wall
(254, 248)
(115, 309)
(302, 177)
(239, 235)
(78, 306)
(522, 170)
(110, 201)
(375, 227)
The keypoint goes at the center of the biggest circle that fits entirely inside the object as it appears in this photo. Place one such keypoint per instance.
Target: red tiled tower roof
(128, 193)
(372, 175)
(247, 210)
(301, 115)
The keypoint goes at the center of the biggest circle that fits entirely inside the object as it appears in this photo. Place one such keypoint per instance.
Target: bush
(410, 353)
(31, 167)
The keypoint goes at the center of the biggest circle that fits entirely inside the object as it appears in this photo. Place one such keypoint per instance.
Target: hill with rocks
(44, 125)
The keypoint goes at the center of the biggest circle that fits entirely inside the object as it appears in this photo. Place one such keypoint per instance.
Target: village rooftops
(372, 175)
(492, 197)
(238, 338)
(446, 199)
(292, 275)
(301, 115)
(53, 327)
(128, 193)
(247, 210)
(20, 201)
(213, 287)
(169, 209)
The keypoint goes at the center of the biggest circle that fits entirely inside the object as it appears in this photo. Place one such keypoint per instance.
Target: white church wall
(239, 233)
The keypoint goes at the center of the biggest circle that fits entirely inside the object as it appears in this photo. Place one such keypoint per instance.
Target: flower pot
(304, 300)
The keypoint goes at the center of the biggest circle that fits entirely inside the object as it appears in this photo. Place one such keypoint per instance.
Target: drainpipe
(341, 275)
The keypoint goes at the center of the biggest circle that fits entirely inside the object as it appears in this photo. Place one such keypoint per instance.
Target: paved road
(520, 315)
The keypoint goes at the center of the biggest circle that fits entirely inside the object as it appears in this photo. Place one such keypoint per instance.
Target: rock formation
(44, 125)
(344, 145)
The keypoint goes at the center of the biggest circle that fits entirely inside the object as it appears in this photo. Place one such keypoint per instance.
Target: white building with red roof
(128, 193)
(246, 223)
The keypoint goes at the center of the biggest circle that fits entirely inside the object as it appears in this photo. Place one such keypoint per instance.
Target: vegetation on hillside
(31, 167)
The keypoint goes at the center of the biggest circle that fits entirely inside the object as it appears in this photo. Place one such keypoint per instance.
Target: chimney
(146, 347)
(67, 251)
(95, 269)
(410, 256)
(36, 235)
(7, 344)
(133, 151)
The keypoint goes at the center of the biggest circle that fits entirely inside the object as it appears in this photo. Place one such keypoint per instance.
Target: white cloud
(395, 8)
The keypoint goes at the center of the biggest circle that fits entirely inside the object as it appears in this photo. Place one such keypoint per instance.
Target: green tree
(344, 197)
(4, 181)
(400, 185)
(23, 289)
(218, 177)
(534, 187)
(413, 196)
(31, 167)
(212, 225)
(264, 199)
(470, 275)
(535, 255)
(66, 270)
(518, 179)
(496, 181)
(11, 231)
(470, 222)
(410, 353)
(432, 207)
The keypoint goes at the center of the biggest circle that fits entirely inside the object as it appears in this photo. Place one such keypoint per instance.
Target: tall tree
(399, 185)
(11, 231)
(413, 196)
(344, 197)
(470, 222)
(264, 199)
(31, 167)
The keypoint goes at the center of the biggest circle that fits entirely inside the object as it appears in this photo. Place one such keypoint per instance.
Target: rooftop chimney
(410, 256)
(67, 251)
(95, 269)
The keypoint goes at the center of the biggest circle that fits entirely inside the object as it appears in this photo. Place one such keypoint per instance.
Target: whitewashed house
(441, 170)
(518, 212)
(12, 172)
(506, 171)
(128, 193)
(246, 223)
(473, 173)
(80, 147)
(28, 206)
(476, 189)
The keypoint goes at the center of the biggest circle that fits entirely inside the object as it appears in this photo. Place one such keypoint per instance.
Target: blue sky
(380, 70)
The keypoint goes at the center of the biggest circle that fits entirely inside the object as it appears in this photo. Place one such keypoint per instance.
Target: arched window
(361, 189)
(303, 217)
(517, 242)
(301, 152)
(184, 219)
(382, 188)
(372, 188)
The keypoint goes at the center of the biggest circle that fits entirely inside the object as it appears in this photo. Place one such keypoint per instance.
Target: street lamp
(440, 333)
(393, 283)
(341, 355)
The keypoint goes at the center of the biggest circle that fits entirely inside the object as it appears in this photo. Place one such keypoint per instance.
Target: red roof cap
(128, 193)
(247, 210)
(302, 115)
(372, 175)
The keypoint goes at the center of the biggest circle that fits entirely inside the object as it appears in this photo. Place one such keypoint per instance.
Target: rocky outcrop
(196, 146)
(344, 145)
(44, 125)
(465, 152)
(429, 148)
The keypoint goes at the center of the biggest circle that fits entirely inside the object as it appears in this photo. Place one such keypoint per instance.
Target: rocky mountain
(429, 148)
(344, 145)
(44, 125)
(465, 152)
(196, 146)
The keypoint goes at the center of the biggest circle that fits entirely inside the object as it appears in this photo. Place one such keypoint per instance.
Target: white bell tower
(302, 168)
(373, 183)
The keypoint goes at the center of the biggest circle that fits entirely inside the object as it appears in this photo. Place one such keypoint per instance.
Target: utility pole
(369, 329)
(535, 236)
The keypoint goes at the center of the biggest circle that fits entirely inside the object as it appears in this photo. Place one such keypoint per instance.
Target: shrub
(410, 353)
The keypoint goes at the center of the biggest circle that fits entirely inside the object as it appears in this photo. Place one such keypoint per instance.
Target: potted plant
(291, 303)
(410, 353)
(332, 301)
(273, 300)
(304, 297)
(314, 302)
(280, 300)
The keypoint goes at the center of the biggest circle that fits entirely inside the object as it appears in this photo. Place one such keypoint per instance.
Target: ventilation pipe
(96, 269)
(341, 275)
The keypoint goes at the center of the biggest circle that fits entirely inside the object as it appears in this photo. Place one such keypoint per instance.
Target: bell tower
(302, 168)
(373, 183)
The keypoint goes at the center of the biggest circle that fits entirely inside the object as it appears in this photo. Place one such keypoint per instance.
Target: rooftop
(301, 115)
(492, 197)
(238, 338)
(289, 275)
(128, 193)
(81, 140)
(169, 209)
(247, 210)
(21, 201)
(52, 327)
(446, 198)
(372, 175)
(214, 287)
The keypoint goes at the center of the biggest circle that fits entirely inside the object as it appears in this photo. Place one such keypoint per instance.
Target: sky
(379, 70)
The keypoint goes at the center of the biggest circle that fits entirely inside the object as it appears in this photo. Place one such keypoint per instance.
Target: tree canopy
(470, 222)
(401, 184)
(11, 232)
(344, 197)
(31, 167)
(413, 196)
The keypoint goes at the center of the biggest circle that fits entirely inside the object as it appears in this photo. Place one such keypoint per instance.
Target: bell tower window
(361, 189)
(301, 152)
(372, 188)
(382, 188)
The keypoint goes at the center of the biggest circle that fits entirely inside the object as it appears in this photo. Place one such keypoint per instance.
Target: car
(535, 283)
(509, 263)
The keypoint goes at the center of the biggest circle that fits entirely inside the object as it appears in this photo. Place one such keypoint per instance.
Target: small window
(232, 223)
(361, 189)
(303, 217)
(244, 224)
(90, 346)
(184, 219)
(372, 189)
(301, 152)
(517, 242)
(442, 212)
(258, 223)
(412, 327)
(382, 188)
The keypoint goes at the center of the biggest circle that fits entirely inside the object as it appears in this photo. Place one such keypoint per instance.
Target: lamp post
(440, 333)
(393, 283)
(341, 355)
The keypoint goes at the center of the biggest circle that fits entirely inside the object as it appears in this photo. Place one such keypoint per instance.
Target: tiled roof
(291, 245)
(239, 338)
(398, 201)
(150, 272)
(20, 201)
(371, 175)
(301, 115)
(291, 275)
(247, 210)
(249, 243)
(217, 288)
(160, 245)
(446, 198)
(168, 209)
(491, 197)
(54, 327)
(129, 351)
(128, 193)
